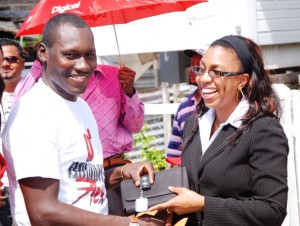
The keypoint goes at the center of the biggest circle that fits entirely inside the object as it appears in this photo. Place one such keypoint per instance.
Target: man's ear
(22, 64)
(42, 52)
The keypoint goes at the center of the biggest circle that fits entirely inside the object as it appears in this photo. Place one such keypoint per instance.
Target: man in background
(12, 67)
(185, 109)
(5, 218)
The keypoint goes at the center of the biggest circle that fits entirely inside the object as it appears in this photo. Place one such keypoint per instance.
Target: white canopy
(197, 27)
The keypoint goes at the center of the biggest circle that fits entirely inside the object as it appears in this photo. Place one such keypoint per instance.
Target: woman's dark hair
(258, 91)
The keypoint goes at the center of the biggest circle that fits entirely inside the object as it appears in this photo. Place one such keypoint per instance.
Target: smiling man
(51, 143)
(5, 215)
(12, 66)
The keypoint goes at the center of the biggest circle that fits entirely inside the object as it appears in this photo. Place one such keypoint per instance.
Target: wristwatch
(133, 221)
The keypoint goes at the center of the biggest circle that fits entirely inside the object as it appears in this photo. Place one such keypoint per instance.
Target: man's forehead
(67, 32)
(9, 48)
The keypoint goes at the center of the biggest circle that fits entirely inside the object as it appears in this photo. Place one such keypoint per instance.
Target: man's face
(70, 61)
(195, 60)
(12, 65)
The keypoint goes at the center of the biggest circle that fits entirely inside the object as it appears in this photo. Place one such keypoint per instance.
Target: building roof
(13, 13)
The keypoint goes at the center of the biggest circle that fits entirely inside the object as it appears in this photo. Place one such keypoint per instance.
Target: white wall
(278, 32)
(278, 21)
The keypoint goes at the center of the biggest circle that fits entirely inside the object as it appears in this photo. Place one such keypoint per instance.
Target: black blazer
(242, 185)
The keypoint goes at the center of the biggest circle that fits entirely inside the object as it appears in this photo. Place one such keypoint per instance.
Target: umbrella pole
(120, 61)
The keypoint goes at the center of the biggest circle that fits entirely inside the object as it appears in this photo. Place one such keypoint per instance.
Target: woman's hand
(187, 201)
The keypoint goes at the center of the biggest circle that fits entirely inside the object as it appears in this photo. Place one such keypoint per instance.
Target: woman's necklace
(216, 124)
(214, 127)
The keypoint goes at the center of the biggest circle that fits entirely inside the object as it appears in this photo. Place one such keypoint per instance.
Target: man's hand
(135, 170)
(2, 197)
(126, 79)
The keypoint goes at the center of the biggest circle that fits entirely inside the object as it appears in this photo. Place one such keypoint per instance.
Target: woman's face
(221, 93)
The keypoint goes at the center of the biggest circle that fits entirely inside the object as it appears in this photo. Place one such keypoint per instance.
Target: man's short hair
(50, 29)
(11, 42)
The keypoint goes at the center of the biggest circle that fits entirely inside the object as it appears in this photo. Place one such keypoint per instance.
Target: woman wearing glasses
(235, 149)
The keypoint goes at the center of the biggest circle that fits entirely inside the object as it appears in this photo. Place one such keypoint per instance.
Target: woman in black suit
(235, 149)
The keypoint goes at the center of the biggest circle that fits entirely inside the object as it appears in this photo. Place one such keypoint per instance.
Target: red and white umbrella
(100, 12)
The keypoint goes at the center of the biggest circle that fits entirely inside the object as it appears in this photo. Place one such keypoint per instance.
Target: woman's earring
(240, 90)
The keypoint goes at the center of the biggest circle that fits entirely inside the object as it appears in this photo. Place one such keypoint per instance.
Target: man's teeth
(79, 76)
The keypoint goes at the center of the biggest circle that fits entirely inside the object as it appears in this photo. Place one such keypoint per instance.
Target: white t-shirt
(50, 137)
(5, 110)
(5, 107)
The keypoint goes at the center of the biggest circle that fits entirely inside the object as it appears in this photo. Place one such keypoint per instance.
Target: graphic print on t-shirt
(90, 173)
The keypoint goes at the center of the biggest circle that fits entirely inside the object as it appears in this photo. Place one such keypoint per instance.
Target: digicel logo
(61, 9)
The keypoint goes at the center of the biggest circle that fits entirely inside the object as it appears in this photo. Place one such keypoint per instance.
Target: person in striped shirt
(185, 109)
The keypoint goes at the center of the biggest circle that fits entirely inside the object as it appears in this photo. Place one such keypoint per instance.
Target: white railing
(290, 100)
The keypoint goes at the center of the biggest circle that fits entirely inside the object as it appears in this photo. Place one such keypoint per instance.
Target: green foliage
(28, 41)
(149, 151)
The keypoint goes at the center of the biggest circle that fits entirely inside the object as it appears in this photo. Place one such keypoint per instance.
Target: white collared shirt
(207, 120)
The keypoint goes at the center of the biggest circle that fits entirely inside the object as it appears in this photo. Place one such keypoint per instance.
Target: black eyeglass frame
(218, 74)
(11, 59)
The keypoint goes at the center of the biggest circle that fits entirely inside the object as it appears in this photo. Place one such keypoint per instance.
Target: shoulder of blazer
(265, 121)
(189, 125)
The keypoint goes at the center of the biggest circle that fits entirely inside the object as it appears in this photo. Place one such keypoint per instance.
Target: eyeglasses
(11, 59)
(213, 73)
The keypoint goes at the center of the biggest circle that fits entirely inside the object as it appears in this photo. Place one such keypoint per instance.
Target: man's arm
(126, 79)
(132, 107)
(3, 198)
(2, 170)
(185, 109)
(174, 147)
(43, 207)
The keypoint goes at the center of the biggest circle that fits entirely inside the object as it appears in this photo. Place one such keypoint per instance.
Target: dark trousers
(114, 196)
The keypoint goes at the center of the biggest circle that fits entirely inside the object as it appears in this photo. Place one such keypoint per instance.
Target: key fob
(141, 204)
(145, 182)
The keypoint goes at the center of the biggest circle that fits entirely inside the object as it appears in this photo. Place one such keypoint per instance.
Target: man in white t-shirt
(51, 143)
(12, 64)
(3, 197)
